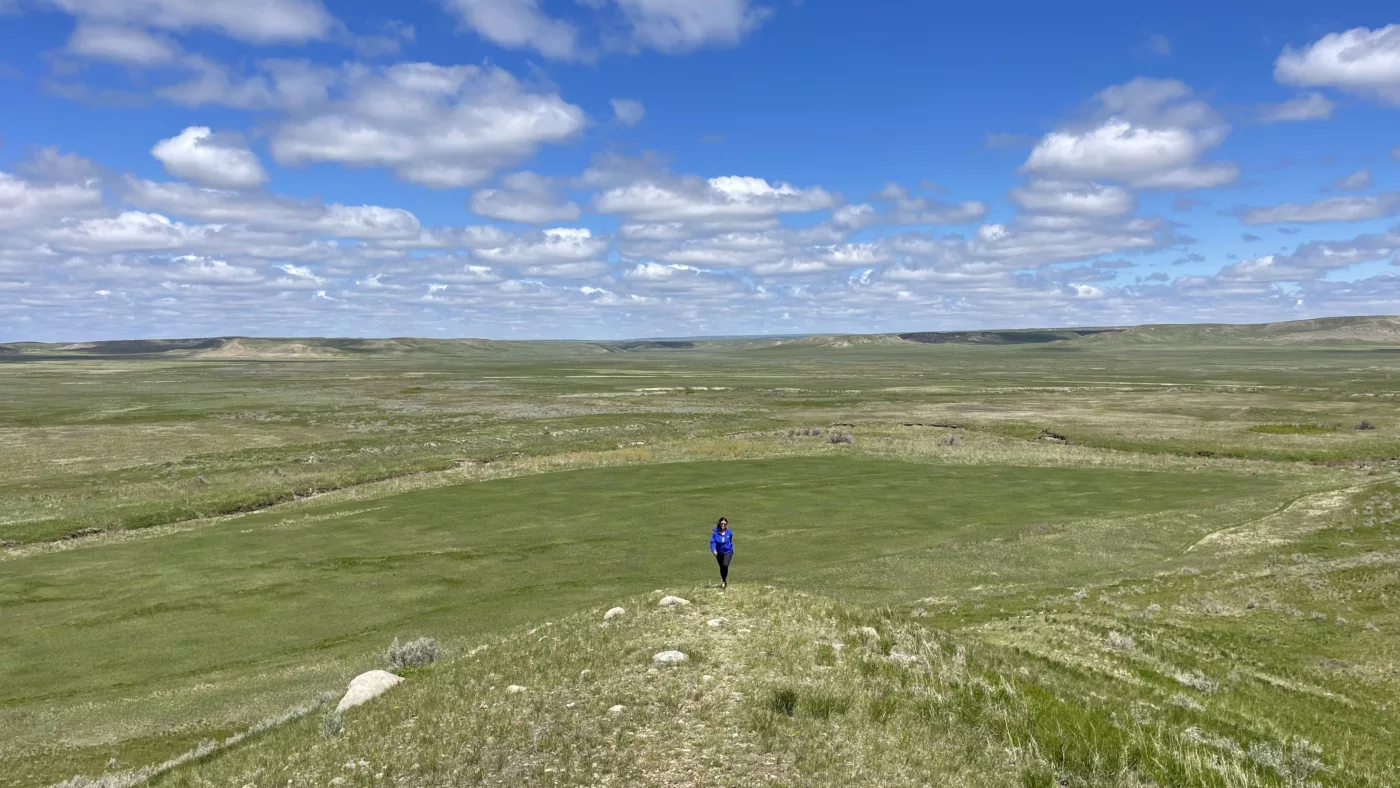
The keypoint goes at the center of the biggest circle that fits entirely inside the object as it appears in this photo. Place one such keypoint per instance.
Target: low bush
(413, 654)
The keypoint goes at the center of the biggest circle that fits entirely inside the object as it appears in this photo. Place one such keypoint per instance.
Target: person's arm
(714, 548)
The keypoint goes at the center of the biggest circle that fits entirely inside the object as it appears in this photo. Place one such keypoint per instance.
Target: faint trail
(1319, 503)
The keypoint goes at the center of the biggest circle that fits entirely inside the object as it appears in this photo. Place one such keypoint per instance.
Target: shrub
(332, 724)
(1365, 426)
(840, 437)
(414, 654)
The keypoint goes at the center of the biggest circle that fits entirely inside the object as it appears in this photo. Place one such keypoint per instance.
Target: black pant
(724, 559)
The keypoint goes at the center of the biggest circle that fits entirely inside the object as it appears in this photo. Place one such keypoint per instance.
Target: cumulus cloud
(214, 160)
(1085, 199)
(905, 208)
(519, 24)
(1308, 106)
(439, 126)
(120, 44)
(1355, 182)
(254, 21)
(668, 26)
(26, 203)
(1332, 209)
(525, 197)
(1361, 61)
(628, 112)
(554, 247)
(688, 199)
(1315, 259)
(686, 25)
(1147, 133)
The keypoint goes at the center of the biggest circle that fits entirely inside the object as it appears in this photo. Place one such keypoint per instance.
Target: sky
(604, 169)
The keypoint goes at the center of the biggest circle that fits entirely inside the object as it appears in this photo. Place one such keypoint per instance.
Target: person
(722, 545)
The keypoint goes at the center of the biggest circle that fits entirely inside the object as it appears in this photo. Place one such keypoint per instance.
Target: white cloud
(1360, 60)
(1308, 106)
(693, 199)
(686, 25)
(855, 217)
(526, 197)
(558, 246)
(1355, 182)
(118, 44)
(439, 126)
(908, 209)
(519, 24)
(205, 271)
(1332, 209)
(214, 160)
(629, 112)
(1085, 199)
(1147, 133)
(25, 203)
(368, 221)
(254, 21)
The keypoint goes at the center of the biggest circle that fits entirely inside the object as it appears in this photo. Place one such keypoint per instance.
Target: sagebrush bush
(840, 437)
(332, 724)
(413, 654)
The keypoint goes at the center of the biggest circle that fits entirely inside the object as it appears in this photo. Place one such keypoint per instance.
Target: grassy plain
(198, 542)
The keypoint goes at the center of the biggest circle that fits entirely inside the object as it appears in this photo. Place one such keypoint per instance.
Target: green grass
(1294, 429)
(473, 495)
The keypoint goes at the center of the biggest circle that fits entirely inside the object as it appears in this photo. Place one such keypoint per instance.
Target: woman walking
(722, 545)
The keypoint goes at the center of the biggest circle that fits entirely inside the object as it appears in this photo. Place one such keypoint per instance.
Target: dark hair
(724, 520)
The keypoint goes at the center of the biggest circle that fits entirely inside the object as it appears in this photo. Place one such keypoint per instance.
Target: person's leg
(724, 560)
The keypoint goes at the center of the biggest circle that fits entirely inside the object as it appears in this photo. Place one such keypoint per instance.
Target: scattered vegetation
(290, 514)
(413, 654)
(1293, 429)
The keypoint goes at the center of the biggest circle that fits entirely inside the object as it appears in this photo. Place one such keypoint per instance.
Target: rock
(717, 622)
(898, 658)
(585, 674)
(674, 601)
(707, 678)
(514, 689)
(617, 612)
(870, 632)
(366, 687)
(670, 658)
(618, 709)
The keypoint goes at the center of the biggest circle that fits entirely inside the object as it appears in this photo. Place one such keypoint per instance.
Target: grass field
(1181, 531)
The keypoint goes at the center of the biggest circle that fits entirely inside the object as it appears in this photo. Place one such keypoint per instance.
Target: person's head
(723, 524)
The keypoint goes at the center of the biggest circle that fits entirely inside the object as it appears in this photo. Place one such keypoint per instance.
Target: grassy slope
(127, 443)
(199, 615)
(1206, 676)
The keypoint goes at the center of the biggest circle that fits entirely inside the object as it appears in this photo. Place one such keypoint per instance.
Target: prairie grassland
(192, 546)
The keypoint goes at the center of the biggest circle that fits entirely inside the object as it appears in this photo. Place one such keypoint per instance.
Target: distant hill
(1382, 330)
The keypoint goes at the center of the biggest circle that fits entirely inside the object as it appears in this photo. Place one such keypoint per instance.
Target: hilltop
(1322, 331)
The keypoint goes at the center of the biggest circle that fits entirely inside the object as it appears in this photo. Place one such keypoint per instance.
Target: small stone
(717, 622)
(707, 678)
(617, 612)
(585, 675)
(869, 632)
(514, 689)
(618, 709)
(570, 705)
(670, 658)
(674, 601)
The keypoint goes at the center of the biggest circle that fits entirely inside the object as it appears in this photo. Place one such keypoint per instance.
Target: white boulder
(670, 658)
(618, 709)
(617, 612)
(514, 689)
(717, 622)
(674, 601)
(366, 687)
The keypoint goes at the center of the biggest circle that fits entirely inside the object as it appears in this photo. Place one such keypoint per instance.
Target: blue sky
(624, 168)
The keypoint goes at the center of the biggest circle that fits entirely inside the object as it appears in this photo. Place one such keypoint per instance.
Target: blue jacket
(722, 543)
